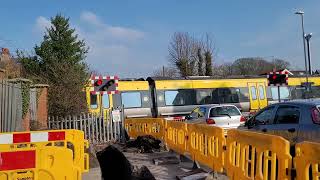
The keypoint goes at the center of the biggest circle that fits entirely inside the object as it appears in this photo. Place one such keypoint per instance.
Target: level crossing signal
(104, 84)
(277, 79)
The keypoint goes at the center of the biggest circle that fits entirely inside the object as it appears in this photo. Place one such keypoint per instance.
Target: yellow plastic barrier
(72, 139)
(253, 155)
(176, 136)
(307, 157)
(206, 145)
(145, 126)
(39, 163)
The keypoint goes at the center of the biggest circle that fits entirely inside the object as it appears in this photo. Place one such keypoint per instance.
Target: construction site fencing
(97, 129)
(241, 154)
(43, 155)
(150, 126)
(176, 136)
(206, 145)
(307, 160)
(252, 155)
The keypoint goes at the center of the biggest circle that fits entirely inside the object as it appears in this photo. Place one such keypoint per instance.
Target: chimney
(5, 51)
(5, 55)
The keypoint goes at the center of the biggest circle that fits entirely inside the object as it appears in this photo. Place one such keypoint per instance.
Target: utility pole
(308, 37)
(163, 71)
(301, 13)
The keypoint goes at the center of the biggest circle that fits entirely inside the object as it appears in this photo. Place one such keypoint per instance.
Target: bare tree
(209, 50)
(280, 63)
(165, 72)
(191, 56)
(180, 53)
(223, 70)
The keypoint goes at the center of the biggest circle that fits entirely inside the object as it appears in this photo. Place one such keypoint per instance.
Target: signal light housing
(104, 84)
(277, 79)
(98, 82)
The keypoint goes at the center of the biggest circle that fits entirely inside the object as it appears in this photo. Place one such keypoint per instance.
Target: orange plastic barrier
(145, 126)
(307, 160)
(38, 163)
(206, 145)
(71, 139)
(176, 136)
(252, 155)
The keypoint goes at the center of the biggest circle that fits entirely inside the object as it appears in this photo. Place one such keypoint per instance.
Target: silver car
(225, 116)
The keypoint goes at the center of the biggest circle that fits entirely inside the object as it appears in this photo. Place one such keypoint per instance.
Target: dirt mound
(145, 144)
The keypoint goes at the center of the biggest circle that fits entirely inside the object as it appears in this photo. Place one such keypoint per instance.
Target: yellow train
(156, 97)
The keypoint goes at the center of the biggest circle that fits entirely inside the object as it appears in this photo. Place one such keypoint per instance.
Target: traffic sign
(116, 117)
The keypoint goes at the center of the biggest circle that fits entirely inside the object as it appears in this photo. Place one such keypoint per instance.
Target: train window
(93, 101)
(131, 99)
(145, 99)
(269, 95)
(243, 94)
(314, 92)
(170, 97)
(261, 92)
(228, 95)
(297, 92)
(204, 96)
(253, 92)
(180, 97)
(105, 101)
(284, 93)
(160, 98)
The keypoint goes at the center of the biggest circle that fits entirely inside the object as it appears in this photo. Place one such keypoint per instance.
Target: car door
(286, 122)
(263, 120)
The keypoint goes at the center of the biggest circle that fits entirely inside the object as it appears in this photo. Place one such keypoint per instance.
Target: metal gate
(10, 106)
(97, 129)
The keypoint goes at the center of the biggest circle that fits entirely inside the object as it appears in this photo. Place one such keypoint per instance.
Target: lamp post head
(308, 36)
(299, 12)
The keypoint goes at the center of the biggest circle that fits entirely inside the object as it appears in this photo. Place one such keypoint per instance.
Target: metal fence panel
(97, 129)
(10, 107)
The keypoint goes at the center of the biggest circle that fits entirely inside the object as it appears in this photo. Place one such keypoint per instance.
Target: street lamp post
(301, 13)
(308, 37)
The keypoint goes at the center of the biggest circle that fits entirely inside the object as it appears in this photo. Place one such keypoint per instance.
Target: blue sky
(130, 38)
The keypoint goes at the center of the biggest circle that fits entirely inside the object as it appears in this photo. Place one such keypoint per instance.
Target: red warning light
(98, 82)
(274, 77)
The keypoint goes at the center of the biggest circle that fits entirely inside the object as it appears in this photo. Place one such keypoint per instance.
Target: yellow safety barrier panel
(206, 145)
(176, 136)
(253, 155)
(39, 163)
(145, 126)
(72, 139)
(307, 160)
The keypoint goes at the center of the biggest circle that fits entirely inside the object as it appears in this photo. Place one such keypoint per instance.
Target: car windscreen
(224, 111)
